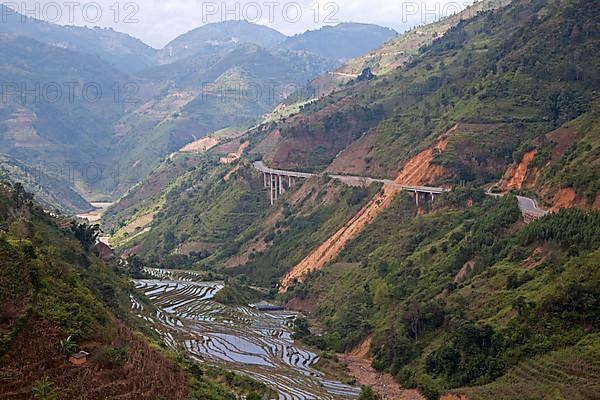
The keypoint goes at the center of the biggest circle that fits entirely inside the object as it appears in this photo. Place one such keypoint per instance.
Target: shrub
(112, 357)
(44, 389)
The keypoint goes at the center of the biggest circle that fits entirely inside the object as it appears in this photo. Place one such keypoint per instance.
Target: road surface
(528, 206)
(350, 180)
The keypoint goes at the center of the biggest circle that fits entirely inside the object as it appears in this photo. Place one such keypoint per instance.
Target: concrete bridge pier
(274, 188)
(281, 189)
(418, 196)
(277, 185)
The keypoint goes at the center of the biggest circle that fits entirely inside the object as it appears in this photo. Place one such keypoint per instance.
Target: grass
(569, 373)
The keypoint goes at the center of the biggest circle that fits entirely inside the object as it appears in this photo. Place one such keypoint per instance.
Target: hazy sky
(158, 21)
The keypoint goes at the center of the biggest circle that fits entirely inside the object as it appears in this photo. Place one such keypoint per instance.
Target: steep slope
(402, 287)
(561, 166)
(197, 213)
(56, 298)
(476, 75)
(394, 54)
(459, 295)
(55, 193)
(417, 171)
(577, 365)
(200, 95)
(58, 110)
(398, 51)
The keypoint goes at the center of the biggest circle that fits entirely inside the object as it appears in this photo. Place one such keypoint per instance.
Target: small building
(79, 358)
(264, 306)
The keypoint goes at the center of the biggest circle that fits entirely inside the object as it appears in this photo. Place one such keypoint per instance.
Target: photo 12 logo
(264, 92)
(70, 92)
(69, 12)
(89, 172)
(427, 12)
(290, 11)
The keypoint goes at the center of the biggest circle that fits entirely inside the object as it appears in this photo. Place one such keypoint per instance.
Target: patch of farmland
(241, 339)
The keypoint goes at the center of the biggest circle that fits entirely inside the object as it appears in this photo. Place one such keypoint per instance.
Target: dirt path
(359, 366)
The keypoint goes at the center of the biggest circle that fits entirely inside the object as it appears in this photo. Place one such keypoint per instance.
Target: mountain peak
(214, 37)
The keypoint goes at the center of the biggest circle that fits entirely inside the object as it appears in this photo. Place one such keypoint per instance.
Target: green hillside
(457, 296)
(54, 193)
(57, 297)
(498, 74)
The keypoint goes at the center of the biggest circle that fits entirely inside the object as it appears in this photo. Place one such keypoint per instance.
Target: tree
(301, 328)
(86, 234)
(136, 267)
(19, 229)
(367, 393)
(20, 196)
(68, 346)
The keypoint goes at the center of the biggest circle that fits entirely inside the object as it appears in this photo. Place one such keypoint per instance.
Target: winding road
(530, 207)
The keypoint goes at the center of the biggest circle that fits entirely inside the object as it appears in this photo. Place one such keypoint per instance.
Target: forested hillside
(459, 296)
(499, 75)
(475, 88)
(57, 297)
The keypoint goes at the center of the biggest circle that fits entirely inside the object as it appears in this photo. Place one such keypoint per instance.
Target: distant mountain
(219, 38)
(125, 52)
(340, 42)
(242, 63)
(203, 95)
(173, 106)
(55, 124)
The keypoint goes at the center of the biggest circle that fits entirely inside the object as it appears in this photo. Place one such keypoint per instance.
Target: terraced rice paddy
(241, 339)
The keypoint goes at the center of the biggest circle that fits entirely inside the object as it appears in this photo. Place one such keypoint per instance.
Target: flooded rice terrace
(241, 339)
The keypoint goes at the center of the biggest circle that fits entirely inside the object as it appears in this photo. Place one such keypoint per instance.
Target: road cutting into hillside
(417, 171)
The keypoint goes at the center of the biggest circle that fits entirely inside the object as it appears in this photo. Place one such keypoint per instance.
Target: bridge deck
(259, 165)
(528, 206)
